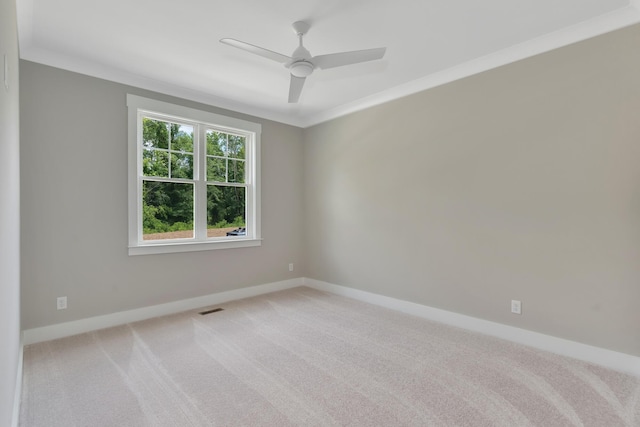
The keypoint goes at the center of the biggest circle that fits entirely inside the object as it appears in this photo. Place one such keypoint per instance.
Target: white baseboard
(60, 330)
(614, 360)
(17, 396)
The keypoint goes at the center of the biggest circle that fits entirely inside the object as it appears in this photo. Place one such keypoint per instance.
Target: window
(193, 179)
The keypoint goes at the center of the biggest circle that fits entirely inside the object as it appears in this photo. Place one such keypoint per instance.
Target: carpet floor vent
(214, 310)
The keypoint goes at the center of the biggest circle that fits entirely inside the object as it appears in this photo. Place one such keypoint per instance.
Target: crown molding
(585, 30)
(600, 25)
(105, 72)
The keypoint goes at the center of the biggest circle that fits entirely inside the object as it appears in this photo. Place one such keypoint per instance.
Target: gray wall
(519, 183)
(74, 207)
(9, 213)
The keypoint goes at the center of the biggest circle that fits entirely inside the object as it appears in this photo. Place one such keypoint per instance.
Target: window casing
(183, 160)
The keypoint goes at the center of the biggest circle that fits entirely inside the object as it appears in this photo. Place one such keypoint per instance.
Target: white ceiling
(172, 47)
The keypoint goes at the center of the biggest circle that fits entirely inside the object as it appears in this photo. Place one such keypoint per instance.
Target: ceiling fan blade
(295, 88)
(269, 54)
(347, 58)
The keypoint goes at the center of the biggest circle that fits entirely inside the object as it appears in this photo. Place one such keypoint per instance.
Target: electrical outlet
(62, 303)
(516, 306)
(291, 267)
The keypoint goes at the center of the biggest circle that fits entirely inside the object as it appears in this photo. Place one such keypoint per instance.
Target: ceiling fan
(301, 64)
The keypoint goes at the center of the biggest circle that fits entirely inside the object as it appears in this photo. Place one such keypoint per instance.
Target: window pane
(236, 146)
(155, 163)
(155, 133)
(216, 143)
(216, 169)
(182, 138)
(182, 166)
(236, 170)
(167, 210)
(225, 211)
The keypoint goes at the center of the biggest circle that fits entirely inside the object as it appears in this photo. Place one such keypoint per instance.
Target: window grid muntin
(168, 121)
(226, 151)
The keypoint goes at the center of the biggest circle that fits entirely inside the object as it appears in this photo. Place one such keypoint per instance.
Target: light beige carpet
(307, 358)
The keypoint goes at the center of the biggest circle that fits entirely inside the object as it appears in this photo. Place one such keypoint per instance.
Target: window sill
(166, 248)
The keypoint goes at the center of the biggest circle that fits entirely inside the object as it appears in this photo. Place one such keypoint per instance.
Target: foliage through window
(193, 179)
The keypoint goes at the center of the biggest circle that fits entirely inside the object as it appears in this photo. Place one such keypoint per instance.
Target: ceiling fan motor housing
(301, 68)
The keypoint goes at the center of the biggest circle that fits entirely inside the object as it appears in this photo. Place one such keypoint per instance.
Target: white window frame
(201, 120)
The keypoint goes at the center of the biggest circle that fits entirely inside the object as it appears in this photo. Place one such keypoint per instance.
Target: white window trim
(135, 105)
